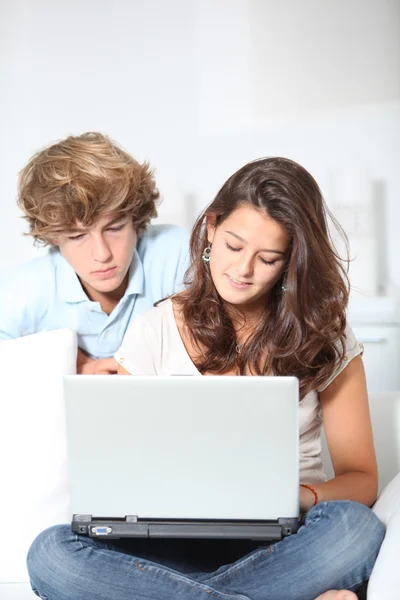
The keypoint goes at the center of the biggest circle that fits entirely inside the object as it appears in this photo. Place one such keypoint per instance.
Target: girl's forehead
(252, 226)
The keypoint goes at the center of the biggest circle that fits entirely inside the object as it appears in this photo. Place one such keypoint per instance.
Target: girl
(266, 295)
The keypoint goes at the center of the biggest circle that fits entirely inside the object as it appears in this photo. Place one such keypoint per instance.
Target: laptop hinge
(289, 526)
(132, 526)
(87, 525)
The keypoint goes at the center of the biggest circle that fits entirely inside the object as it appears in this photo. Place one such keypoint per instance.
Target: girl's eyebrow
(235, 235)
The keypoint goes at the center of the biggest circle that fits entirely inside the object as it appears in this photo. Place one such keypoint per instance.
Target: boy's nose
(101, 252)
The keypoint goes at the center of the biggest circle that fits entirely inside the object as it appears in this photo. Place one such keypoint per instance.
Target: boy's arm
(16, 297)
(90, 366)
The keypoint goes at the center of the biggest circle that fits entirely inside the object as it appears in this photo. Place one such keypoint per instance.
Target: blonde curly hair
(80, 179)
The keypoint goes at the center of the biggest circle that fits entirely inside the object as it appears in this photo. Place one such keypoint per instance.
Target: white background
(199, 88)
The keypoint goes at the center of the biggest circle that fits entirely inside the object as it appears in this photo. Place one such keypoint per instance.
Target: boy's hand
(90, 366)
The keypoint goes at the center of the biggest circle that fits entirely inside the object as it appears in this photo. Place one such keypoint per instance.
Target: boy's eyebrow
(74, 230)
(83, 229)
(244, 242)
(115, 220)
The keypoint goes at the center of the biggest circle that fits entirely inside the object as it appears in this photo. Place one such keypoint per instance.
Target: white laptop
(178, 457)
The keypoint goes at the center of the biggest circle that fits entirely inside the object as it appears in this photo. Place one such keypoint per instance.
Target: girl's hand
(307, 499)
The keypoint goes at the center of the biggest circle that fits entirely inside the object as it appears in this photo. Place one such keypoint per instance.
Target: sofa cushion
(34, 492)
(385, 578)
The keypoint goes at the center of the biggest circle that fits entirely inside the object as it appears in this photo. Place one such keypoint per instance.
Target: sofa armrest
(34, 481)
(384, 583)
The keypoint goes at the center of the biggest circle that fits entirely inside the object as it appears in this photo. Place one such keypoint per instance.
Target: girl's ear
(211, 222)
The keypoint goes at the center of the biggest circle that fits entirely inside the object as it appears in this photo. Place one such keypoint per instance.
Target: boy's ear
(211, 223)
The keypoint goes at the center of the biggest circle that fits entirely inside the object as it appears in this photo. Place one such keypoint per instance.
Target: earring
(206, 254)
(283, 288)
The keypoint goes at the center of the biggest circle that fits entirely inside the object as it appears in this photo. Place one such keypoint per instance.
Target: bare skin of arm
(349, 436)
(89, 366)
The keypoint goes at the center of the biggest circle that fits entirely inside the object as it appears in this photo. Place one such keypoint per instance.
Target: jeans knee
(349, 516)
(48, 556)
(352, 529)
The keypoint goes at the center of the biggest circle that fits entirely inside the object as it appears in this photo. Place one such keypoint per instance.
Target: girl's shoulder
(162, 311)
(148, 335)
(352, 348)
(153, 318)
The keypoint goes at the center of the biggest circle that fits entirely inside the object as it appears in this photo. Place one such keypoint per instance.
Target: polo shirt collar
(136, 276)
(68, 284)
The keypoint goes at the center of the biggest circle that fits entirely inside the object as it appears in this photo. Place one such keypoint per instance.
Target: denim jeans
(335, 548)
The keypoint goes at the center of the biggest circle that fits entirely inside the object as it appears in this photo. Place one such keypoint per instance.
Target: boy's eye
(116, 227)
(232, 248)
(76, 237)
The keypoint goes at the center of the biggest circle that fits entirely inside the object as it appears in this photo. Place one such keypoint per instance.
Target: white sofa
(34, 491)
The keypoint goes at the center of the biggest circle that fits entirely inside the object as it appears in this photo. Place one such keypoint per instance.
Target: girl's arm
(349, 436)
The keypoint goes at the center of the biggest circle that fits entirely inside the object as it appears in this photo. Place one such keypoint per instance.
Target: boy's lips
(105, 272)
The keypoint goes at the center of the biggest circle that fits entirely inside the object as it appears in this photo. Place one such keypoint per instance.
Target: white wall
(324, 54)
(201, 86)
(118, 67)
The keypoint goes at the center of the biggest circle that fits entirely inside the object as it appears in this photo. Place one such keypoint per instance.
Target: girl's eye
(232, 248)
(267, 262)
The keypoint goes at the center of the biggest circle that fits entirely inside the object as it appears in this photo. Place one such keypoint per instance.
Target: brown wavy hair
(302, 332)
(80, 179)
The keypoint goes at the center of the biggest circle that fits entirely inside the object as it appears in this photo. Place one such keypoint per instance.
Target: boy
(92, 203)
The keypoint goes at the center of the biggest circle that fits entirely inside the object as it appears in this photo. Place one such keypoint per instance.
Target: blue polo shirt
(45, 293)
